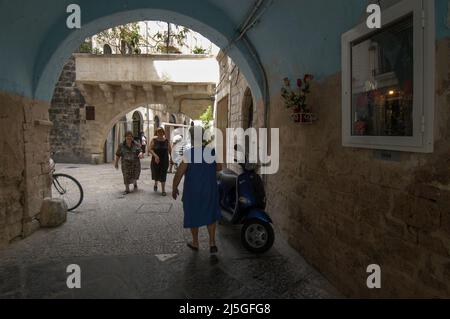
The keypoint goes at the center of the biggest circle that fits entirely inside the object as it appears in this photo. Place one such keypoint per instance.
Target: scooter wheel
(257, 236)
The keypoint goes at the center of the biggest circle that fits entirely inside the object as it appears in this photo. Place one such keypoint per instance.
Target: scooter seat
(228, 178)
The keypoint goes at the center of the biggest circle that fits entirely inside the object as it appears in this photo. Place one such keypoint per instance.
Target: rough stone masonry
(24, 154)
(67, 112)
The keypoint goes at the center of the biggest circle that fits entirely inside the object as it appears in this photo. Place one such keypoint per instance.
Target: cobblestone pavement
(134, 246)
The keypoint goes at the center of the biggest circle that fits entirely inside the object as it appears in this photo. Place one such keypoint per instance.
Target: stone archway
(97, 133)
(215, 26)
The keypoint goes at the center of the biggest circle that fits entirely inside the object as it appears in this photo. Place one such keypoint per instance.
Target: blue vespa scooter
(243, 202)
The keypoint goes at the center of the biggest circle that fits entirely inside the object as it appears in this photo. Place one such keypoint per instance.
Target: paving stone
(117, 241)
(10, 279)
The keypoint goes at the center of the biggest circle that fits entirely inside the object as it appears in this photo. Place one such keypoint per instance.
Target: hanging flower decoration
(296, 98)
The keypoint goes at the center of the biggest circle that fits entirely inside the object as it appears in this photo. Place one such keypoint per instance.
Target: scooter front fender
(258, 214)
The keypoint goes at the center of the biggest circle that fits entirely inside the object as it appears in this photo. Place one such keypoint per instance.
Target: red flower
(299, 83)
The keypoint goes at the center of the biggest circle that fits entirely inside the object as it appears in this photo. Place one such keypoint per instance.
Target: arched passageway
(215, 26)
(336, 195)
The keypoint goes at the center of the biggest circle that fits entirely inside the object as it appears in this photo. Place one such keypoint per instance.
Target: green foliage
(162, 48)
(86, 47)
(207, 117)
(172, 40)
(126, 39)
(199, 50)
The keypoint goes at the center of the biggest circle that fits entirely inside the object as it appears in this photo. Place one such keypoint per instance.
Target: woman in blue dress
(200, 192)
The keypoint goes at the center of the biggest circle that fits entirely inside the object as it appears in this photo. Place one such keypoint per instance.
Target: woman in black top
(161, 150)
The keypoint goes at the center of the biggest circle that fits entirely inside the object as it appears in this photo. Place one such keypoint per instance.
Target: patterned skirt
(131, 171)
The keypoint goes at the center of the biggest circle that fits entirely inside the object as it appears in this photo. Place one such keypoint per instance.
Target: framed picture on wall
(388, 80)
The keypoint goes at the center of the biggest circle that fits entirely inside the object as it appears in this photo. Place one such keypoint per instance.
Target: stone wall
(234, 84)
(343, 209)
(67, 112)
(24, 179)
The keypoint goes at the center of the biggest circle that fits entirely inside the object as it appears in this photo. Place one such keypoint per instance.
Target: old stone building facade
(89, 133)
(235, 103)
(67, 112)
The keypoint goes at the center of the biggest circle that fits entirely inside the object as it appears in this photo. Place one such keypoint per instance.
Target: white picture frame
(424, 79)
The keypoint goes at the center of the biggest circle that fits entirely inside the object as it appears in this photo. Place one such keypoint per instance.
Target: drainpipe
(256, 6)
(251, 20)
(247, 25)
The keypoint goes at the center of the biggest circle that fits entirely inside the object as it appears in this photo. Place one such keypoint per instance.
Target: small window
(90, 113)
(388, 79)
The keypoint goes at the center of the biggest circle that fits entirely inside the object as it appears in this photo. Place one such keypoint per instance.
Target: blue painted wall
(292, 38)
(442, 12)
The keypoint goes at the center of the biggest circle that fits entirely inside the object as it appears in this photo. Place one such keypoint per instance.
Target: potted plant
(296, 99)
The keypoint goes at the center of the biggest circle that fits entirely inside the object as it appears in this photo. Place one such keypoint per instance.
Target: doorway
(222, 124)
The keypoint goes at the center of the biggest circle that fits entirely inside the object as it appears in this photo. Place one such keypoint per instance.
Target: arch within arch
(216, 26)
(97, 141)
(107, 49)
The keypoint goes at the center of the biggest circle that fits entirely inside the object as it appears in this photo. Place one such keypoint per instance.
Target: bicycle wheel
(68, 188)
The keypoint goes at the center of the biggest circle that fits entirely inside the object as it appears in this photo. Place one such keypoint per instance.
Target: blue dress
(200, 191)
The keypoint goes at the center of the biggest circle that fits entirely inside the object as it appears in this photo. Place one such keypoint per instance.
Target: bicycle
(66, 187)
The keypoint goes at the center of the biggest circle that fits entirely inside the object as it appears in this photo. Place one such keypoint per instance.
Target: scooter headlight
(244, 201)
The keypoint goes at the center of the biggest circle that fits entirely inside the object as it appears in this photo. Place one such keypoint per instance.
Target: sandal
(191, 246)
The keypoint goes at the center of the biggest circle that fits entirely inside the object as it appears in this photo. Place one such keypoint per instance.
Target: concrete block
(53, 212)
(96, 159)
